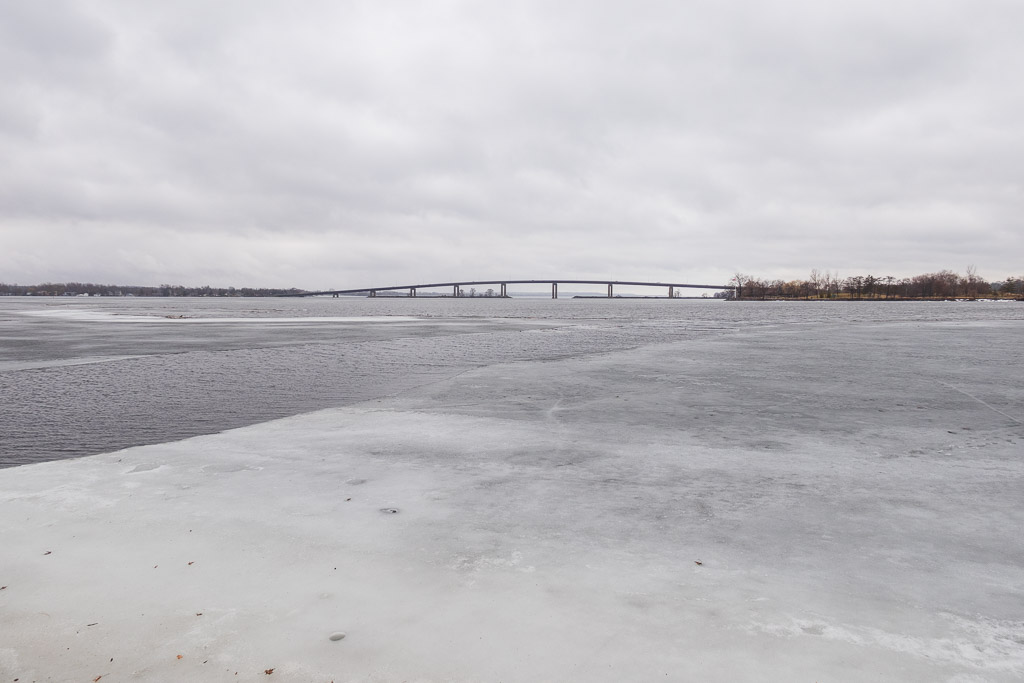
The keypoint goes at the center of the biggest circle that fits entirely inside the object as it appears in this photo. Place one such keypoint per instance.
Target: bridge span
(457, 287)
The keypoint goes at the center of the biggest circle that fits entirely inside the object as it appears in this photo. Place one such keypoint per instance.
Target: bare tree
(888, 280)
(739, 280)
(815, 282)
(972, 280)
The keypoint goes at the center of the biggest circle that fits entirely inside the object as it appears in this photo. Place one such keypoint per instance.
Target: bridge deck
(473, 283)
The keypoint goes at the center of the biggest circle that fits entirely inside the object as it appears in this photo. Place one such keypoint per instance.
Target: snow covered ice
(805, 503)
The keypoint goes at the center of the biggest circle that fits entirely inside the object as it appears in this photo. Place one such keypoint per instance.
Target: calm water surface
(80, 376)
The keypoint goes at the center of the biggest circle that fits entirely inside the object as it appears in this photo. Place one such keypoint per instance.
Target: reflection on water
(85, 376)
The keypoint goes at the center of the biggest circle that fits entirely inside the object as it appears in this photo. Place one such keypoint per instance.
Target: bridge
(457, 287)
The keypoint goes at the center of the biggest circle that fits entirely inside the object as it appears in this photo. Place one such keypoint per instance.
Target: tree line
(944, 284)
(90, 289)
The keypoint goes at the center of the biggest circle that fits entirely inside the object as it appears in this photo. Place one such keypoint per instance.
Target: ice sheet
(832, 503)
(108, 316)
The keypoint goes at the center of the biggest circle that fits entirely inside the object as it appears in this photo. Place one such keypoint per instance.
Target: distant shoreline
(521, 296)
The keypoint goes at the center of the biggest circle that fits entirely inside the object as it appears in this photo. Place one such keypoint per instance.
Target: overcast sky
(337, 144)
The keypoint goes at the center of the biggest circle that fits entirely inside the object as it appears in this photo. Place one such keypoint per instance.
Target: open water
(80, 376)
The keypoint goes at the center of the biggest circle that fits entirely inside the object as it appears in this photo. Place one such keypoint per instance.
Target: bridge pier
(554, 290)
(373, 292)
(671, 292)
(455, 290)
(503, 293)
(412, 291)
(609, 290)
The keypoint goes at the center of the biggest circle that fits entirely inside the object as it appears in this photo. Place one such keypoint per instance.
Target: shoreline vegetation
(940, 286)
(90, 289)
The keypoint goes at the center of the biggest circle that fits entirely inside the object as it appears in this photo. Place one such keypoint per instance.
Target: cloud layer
(352, 143)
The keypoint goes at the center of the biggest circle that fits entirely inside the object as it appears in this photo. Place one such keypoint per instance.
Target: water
(89, 375)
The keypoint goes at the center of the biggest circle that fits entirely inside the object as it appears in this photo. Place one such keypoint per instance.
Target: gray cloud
(339, 144)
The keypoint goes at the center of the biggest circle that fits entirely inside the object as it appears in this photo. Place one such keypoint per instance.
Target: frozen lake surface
(528, 491)
(80, 376)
